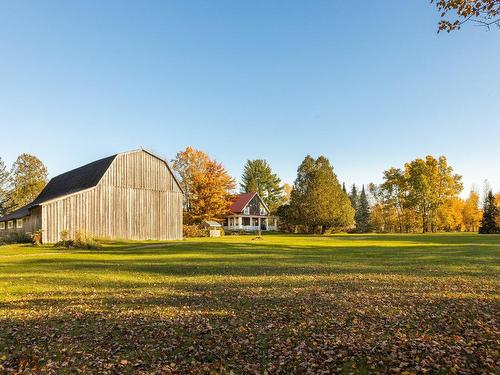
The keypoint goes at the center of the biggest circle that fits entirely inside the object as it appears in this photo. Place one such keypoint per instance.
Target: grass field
(282, 304)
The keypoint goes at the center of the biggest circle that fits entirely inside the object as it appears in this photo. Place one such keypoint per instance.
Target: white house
(249, 212)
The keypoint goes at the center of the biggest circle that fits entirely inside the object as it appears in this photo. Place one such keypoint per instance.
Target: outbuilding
(131, 195)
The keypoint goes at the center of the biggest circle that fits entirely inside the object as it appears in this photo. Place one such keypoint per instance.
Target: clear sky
(369, 84)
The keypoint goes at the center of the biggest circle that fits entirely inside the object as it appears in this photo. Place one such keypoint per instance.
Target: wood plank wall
(137, 199)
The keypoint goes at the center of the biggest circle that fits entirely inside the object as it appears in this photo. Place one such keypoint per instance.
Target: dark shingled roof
(67, 183)
(17, 214)
(75, 180)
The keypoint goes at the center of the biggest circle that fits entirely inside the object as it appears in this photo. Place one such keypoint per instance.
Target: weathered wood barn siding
(137, 198)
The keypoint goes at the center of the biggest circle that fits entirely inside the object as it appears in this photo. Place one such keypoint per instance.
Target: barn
(131, 195)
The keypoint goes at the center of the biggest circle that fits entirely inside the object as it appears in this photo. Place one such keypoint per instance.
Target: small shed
(214, 228)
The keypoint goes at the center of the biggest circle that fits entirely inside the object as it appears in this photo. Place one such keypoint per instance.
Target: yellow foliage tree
(449, 215)
(471, 212)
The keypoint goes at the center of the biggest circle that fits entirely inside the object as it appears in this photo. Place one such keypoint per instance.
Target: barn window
(2, 225)
(19, 223)
(10, 224)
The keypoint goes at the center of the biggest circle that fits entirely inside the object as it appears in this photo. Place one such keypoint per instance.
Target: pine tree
(343, 188)
(259, 177)
(362, 215)
(491, 214)
(353, 196)
(317, 200)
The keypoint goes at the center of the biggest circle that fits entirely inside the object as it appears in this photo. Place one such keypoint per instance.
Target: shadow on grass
(256, 259)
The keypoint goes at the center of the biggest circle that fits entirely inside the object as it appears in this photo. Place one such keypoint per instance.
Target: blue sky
(368, 84)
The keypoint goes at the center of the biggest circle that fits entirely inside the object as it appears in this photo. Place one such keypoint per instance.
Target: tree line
(421, 196)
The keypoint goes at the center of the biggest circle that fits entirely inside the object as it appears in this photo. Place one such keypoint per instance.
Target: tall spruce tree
(362, 215)
(343, 188)
(317, 200)
(259, 177)
(353, 196)
(491, 214)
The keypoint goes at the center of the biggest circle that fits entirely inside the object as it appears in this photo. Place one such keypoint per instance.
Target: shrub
(16, 238)
(193, 230)
(36, 238)
(82, 241)
(85, 241)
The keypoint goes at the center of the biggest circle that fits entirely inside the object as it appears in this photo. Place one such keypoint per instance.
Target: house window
(263, 211)
(2, 225)
(19, 223)
(10, 224)
(246, 211)
(246, 221)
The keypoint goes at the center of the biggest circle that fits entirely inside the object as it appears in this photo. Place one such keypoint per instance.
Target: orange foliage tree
(206, 183)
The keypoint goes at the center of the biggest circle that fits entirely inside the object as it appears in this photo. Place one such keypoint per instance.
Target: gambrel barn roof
(73, 181)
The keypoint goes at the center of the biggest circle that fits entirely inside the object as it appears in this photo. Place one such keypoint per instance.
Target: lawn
(281, 304)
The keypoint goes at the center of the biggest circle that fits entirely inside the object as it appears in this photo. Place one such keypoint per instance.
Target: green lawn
(282, 304)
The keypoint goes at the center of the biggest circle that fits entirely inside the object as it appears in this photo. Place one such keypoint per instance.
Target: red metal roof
(240, 202)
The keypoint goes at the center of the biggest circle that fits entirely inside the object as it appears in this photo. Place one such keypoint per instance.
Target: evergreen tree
(343, 188)
(354, 197)
(491, 214)
(27, 179)
(362, 215)
(317, 200)
(258, 176)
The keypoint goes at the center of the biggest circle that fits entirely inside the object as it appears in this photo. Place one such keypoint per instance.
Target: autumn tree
(497, 203)
(206, 183)
(491, 215)
(471, 212)
(450, 215)
(287, 192)
(259, 177)
(27, 179)
(455, 13)
(317, 200)
(394, 191)
(4, 180)
(431, 183)
(422, 196)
